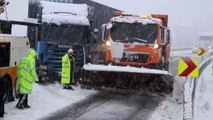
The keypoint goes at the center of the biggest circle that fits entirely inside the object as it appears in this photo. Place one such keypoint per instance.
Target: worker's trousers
(23, 100)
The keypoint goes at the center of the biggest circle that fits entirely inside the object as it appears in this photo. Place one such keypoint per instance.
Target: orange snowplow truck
(137, 40)
(133, 57)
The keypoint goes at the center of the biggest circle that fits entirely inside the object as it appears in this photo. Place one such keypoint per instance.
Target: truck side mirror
(103, 32)
(166, 37)
(109, 26)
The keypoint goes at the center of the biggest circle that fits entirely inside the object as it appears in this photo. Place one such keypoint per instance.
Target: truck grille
(142, 58)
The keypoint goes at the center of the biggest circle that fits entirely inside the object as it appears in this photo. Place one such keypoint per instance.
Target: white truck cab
(13, 48)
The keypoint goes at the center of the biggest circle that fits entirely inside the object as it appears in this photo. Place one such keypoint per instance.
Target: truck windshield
(67, 35)
(136, 32)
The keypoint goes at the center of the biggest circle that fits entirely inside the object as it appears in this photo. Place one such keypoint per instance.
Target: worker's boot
(22, 101)
(26, 106)
(20, 106)
(65, 87)
(26, 102)
(69, 87)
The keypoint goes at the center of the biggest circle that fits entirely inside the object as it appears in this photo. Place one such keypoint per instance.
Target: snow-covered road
(53, 103)
(45, 99)
(110, 106)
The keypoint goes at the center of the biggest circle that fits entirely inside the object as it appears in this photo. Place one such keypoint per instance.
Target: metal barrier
(191, 85)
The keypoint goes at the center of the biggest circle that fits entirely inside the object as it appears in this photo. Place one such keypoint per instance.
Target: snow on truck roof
(64, 13)
(135, 19)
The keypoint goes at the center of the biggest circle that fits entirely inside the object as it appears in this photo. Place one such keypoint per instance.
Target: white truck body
(19, 45)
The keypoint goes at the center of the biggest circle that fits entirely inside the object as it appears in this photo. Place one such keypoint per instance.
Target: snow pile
(63, 13)
(171, 108)
(44, 100)
(135, 19)
(203, 107)
(168, 109)
(54, 7)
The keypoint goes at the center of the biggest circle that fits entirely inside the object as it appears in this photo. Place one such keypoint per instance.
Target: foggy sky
(17, 10)
(187, 18)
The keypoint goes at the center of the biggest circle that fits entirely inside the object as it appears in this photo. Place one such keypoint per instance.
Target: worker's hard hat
(70, 51)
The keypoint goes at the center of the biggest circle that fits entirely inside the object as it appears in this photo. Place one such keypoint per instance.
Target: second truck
(133, 55)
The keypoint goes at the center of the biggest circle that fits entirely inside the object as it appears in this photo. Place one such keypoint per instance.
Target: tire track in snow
(78, 109)
(109, 106)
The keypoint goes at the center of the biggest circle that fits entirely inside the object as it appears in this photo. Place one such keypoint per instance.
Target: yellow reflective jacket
(26, 73)
(67, 74)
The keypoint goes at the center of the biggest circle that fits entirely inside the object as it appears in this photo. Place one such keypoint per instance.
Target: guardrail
(190, 88)
(181, 49)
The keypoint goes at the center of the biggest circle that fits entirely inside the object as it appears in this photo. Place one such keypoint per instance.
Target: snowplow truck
(133, 57)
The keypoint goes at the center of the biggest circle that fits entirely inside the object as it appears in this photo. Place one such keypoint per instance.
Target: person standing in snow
(3, 89)
(25, 77)
(68, 68)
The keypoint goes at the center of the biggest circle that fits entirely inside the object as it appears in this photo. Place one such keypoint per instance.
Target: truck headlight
(156, 45)
(108, 43)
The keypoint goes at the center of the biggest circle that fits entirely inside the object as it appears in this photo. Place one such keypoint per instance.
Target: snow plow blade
(127, 79)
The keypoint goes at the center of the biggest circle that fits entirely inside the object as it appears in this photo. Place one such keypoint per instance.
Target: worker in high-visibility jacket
(68, 69)
(25, 77)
